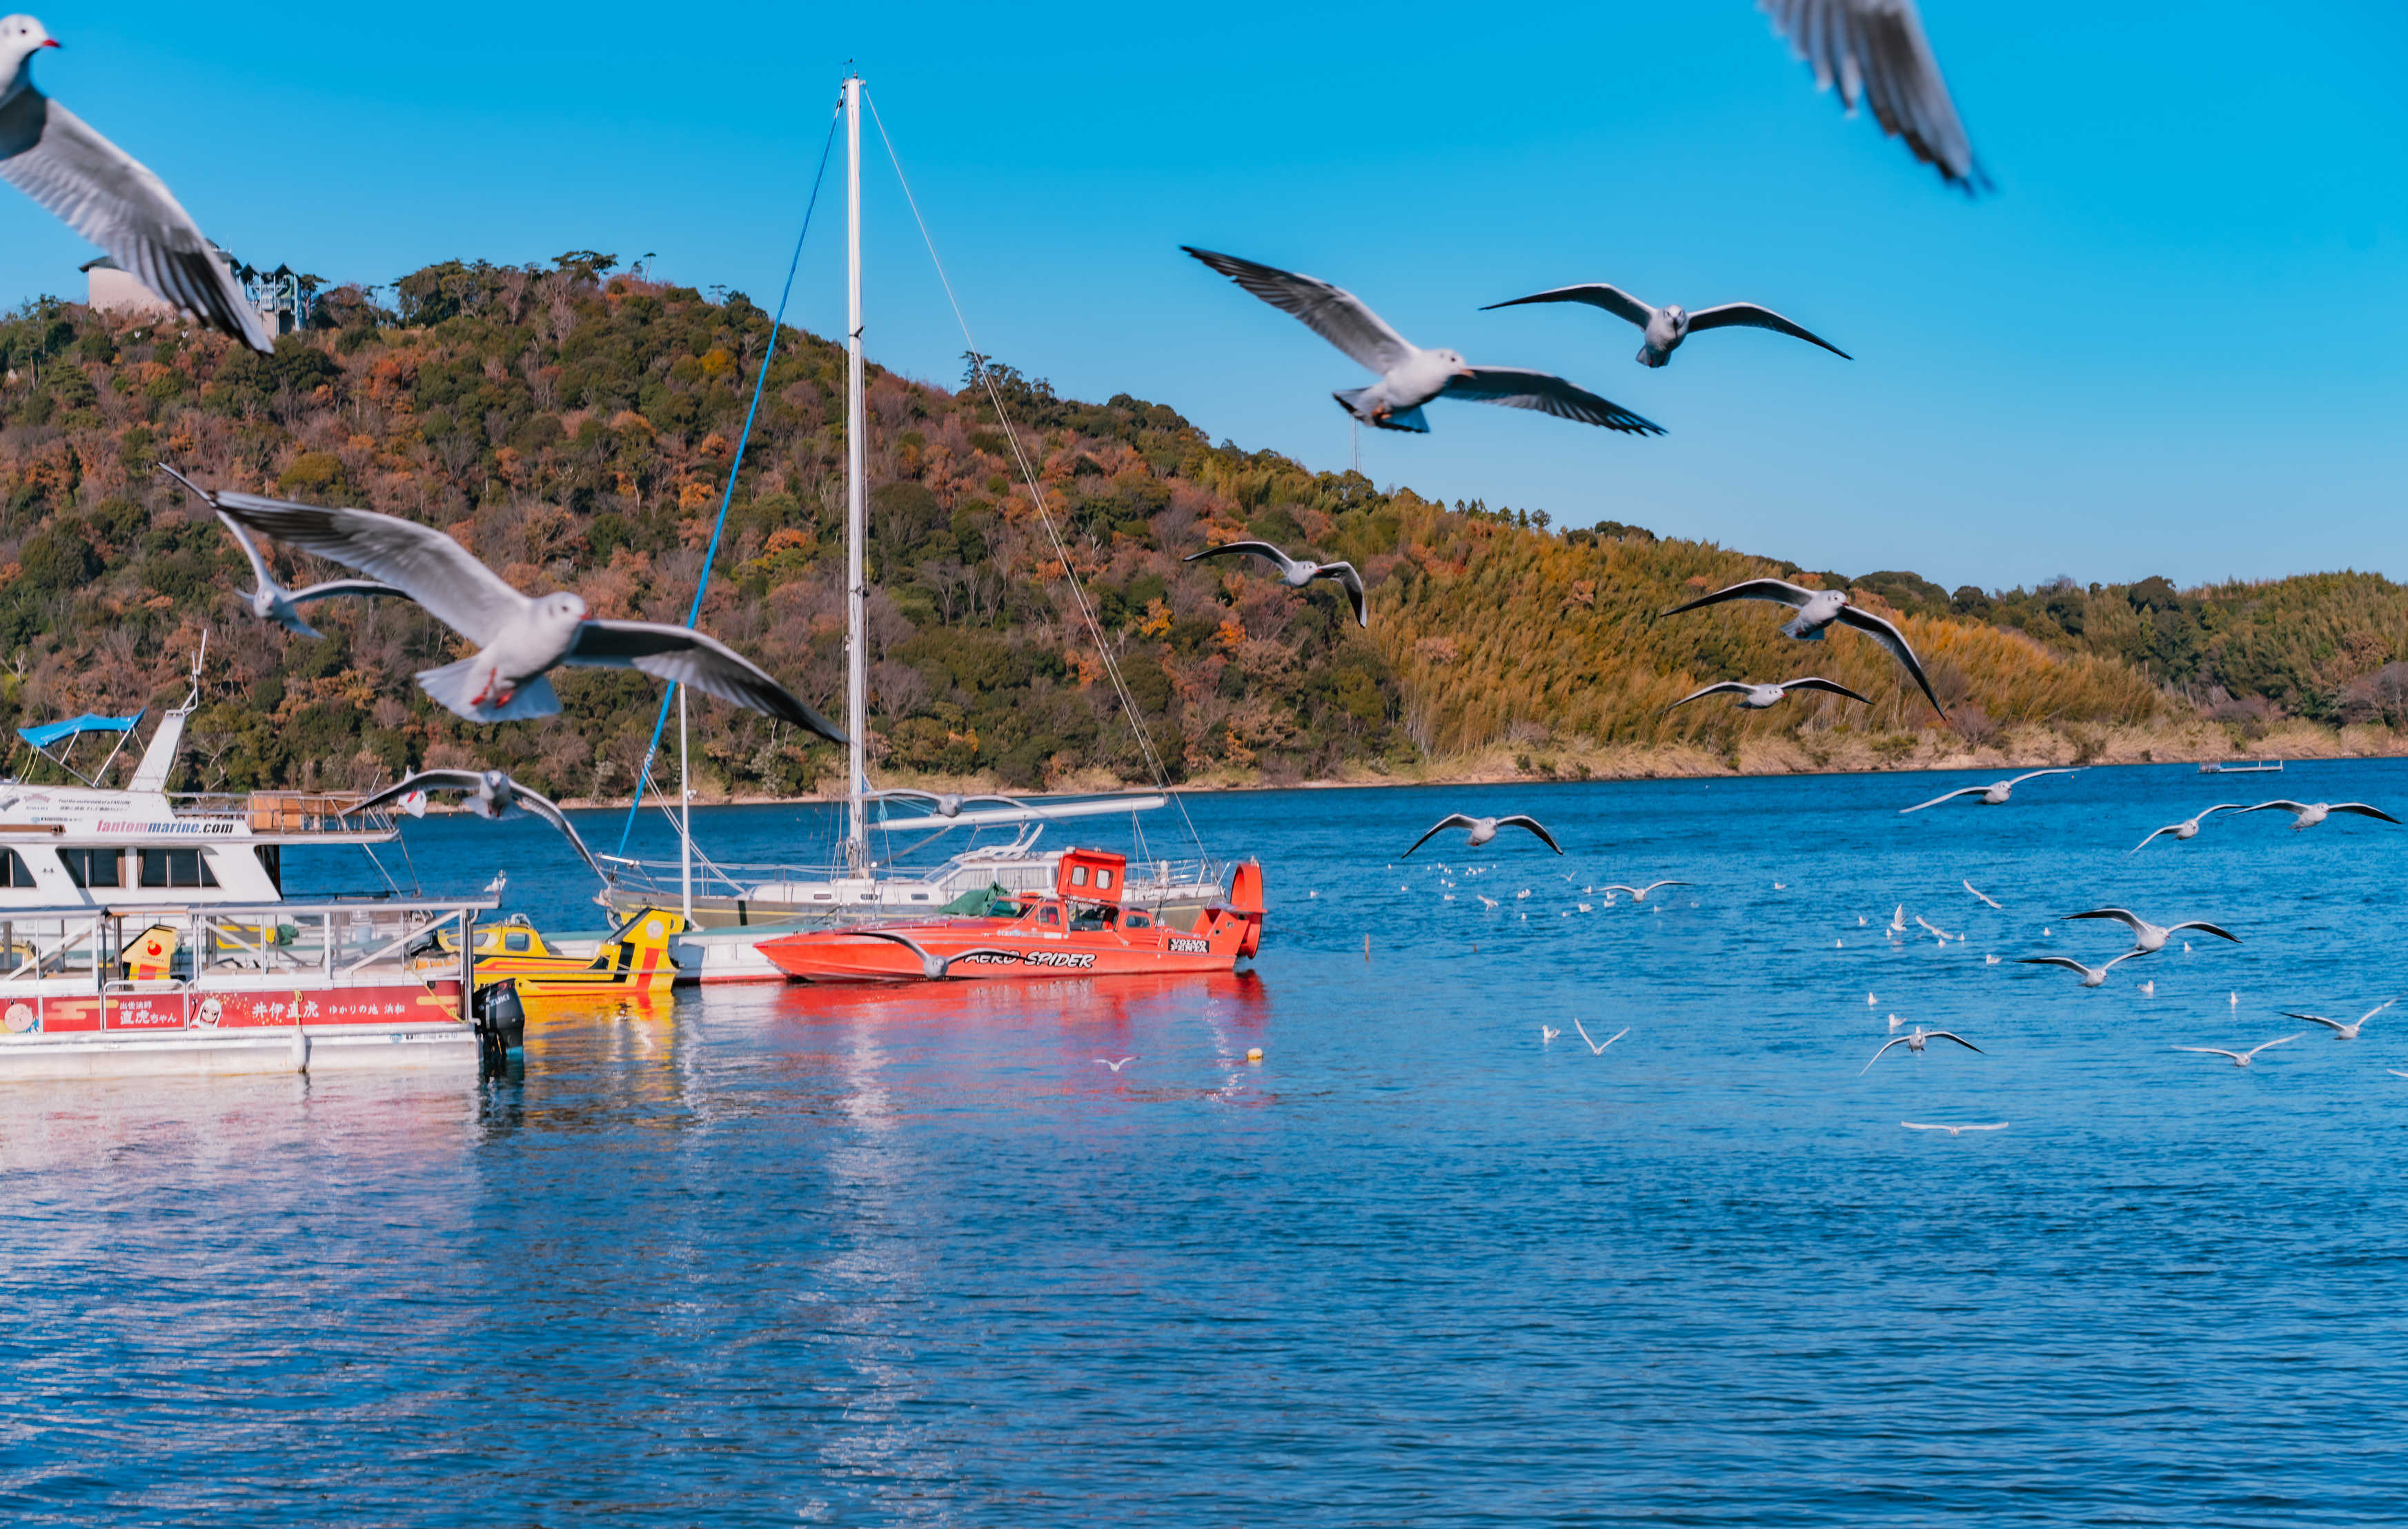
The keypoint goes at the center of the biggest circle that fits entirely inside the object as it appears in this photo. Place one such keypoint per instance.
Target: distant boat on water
(2241, 766)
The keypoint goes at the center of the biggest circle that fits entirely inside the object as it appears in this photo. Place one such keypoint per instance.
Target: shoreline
(1574, 760)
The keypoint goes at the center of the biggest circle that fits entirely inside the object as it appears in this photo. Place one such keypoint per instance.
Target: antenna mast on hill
(856, 517)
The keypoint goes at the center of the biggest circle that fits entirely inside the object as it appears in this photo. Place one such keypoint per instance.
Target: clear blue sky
(2175, 341)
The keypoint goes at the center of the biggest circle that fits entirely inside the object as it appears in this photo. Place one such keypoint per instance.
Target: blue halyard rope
(728, 496)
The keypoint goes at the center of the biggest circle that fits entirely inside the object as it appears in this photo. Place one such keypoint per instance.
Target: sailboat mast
(856, 520)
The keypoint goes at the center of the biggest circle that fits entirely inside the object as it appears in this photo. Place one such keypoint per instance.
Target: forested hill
(574, 428)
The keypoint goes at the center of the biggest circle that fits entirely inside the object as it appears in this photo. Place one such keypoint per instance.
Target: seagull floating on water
(2241, 1059)
(1409, 376)
(1484, 829)
(520, 637)
(1547, 1035)
(1955, 1130)
(1666, 328)
(1914, 1040)
(1596, 1048)
(1295, 573)
(1993, 794)
(1875, 50)
(109, 197)
(2091, 976)
(2147, 936)
(2309, 814)
(1816, 611)
(491, 793)
(2188, 827)
(1639, 895)
(2341, 1031)
(1757, 697)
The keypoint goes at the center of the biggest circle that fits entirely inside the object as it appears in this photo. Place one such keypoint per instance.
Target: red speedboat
(1084, 928)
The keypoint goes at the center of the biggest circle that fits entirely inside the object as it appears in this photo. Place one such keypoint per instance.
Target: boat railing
(329, 941)
(285, 811)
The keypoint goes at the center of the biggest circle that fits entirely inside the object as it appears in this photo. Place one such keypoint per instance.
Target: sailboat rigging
(728, 905)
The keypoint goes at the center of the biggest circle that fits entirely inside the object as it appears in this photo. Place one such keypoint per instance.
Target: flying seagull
(1757, 697)
(1484, 829)
(491, 793)
(2241, 1059)
(1667, 327)
(1993, 794)
(519, 637)
(944, 803)
(271, 601)
(109, 197)
(1977, 891)
(2147, 936)
(2091, 976)
(1953, 1130)
(936, 969)
(2341, 1031)
(1816, 611)
(2309, 814)
(1409, 376)
(1914, 1040)
(2188, 827)
(1114, 1066)
(1295, 573)
(1874, 49)
(1639, 895)
(1596, 1048)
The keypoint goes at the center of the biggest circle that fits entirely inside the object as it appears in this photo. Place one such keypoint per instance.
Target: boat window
(1078, 876)
(1051, 913)
(175, 868)
(1093, 915)
(14, 872)
(1136, 921)
(1103, 875)
(93, 867)
(515, 941)
(271, 860)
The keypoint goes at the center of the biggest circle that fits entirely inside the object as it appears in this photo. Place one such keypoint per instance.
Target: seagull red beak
(51, 42)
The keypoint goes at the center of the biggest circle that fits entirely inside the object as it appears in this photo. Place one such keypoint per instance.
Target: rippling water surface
(916, 1257)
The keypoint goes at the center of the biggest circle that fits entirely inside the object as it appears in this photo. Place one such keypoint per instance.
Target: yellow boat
(636, 958)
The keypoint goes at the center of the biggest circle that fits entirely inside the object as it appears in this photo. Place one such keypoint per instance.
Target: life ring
(20, 1018)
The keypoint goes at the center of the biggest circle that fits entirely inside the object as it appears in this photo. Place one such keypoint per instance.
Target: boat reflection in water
(976, 1037)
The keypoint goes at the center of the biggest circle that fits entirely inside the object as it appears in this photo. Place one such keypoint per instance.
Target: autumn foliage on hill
(576, 428)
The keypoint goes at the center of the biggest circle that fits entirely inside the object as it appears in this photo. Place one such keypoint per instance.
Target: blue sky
(2173, 342)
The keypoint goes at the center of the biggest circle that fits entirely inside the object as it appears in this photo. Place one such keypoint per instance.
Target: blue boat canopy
(50, 733)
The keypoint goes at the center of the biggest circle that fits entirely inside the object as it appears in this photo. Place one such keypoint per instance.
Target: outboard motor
(501, 1023)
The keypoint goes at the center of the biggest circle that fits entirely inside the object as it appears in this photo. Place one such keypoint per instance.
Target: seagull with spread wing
(1875, 51)
(1993, 794)
(1817, 609)
(491, 793)
(936, 969)
(1667, 327)
(1484, 829)
(1953, 1130)
(2188, 827)
(272, 602)
(1639, 895)
(2091, 976)
(2147, 936)
(2241, 1059)
(2309, 814)
(941, 804)
(1295, 573)
(1757, 697)
(518, 637)
(2340, 1030)
(1914, 1040)
(1409, 376)
(109, 197)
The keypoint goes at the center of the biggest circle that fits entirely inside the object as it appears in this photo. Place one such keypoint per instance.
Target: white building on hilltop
(113, 289)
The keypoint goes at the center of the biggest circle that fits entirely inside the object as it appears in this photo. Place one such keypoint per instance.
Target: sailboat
(729, 908)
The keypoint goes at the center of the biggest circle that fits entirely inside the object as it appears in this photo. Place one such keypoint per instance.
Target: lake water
(916, 1257)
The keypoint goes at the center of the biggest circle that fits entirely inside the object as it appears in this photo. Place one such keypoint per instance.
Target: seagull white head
(21, 39)
(1454, 362)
